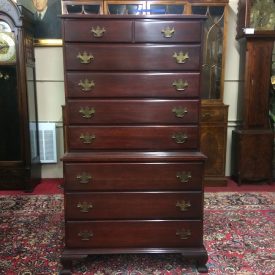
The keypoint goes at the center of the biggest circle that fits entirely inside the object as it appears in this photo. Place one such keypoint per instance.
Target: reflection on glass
(83, 9)
(262, 15)
(166, 9)
(213, 52)
(33, 127)
(10, 148)
(125, 8)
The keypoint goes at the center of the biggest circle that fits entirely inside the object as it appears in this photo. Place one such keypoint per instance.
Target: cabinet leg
(67, 263)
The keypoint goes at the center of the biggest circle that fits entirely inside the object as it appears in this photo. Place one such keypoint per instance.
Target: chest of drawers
(133, 168)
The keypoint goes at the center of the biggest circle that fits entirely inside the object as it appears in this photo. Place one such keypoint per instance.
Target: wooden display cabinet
(19, 151)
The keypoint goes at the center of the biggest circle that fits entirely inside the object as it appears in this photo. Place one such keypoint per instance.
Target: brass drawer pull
(85, 58)
(180, 85)
(168, 32)
(180, 138)
(180, 112)
(181, 57)
(183, 205)
(86, 138)
(184, 234)
(86, 85)
(184, 177)
(84, 206)
(84, 178)
(98, 31)
(85, 235)
(87, 112)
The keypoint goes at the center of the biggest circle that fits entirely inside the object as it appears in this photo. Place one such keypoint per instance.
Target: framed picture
(46, 21)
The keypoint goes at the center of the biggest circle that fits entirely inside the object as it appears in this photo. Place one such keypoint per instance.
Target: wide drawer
(134, 234)
(133, 205)
(167, 31)
(132, 111)
(98, 30)
(132, 137)
(133, 176)
(154, 85)
(132, 57)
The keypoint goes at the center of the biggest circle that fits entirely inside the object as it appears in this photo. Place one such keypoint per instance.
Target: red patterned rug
(239, 235)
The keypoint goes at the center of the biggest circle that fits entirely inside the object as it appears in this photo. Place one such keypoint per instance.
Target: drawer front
(135, 205)
(167, 31)
(154, 85)
(134, 234)
(132, 57)
(133, 137)
(214, 114)
(133, 111)
(133, 176)
(98, 31)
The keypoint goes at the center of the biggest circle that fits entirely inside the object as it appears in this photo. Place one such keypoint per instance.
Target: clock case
(19, 144)
(252, 141)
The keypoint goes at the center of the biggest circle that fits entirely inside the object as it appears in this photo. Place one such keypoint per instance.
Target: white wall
(50, 89)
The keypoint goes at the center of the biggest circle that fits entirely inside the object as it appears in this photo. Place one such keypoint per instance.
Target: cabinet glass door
(213, 50)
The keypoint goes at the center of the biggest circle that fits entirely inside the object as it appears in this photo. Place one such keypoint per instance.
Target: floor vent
(47, 142)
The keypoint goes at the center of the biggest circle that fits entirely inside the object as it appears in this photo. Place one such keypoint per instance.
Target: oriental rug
(239, 232)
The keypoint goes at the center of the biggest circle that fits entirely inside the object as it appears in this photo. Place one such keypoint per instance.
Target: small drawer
(133, 176)
(214, 114)
(134, 234)
(148, 85)
(97, 31)
(133, 205)
(133, 111)
(132, 57)
(132, 137)
(167, 31)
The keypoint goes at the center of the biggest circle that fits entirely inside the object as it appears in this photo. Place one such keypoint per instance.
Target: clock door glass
(7, 44)
(10, 148)
(262, 15)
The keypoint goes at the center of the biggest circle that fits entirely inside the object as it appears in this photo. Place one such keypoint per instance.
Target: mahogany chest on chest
(133, 168)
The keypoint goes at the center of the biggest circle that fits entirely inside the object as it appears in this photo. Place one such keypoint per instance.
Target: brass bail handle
(87, 112)
(86, 85)
(85, 58)
(87, 138)
(180, 85)
(180, 138)
(168, 32)
(98, 31)
(181, 57)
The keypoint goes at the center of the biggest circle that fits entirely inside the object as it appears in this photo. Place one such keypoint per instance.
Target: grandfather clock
(252, 142)
(19, 157)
